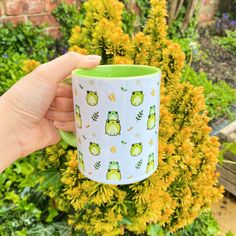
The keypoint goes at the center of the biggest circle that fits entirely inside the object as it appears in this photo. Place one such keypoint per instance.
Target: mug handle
(68, 137)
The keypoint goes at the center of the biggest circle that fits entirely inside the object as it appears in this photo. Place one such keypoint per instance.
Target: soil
(219, 64)
(225, 214)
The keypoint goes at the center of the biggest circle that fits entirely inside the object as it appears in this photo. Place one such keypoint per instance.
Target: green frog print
(113, 172)
(150, 165)
(137, 98)
(78, 117)
(94, 149)
(136, 149)
(112, 127)
(92, 98)
(151, 122)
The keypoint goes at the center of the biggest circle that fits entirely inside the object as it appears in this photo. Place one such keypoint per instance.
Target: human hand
(33, 109)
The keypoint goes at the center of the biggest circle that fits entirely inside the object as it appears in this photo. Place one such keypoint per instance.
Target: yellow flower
(30, 65)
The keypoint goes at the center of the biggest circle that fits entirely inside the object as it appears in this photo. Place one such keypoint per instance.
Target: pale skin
(37, 106)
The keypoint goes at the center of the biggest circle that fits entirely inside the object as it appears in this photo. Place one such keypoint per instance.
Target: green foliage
(175, 30)
(227, 147)
(68, 17)
(228, 42)
(10, 69)
(26, 39)
(204, 225)
(24, 210)
(144, 6)
(219, 96)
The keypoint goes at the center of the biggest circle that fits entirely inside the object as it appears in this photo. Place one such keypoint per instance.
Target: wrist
(10, 148)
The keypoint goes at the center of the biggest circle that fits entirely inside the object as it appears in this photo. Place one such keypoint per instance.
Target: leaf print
(153, 92)
(112, 97)
(97, 165)
(130, 128)
(81, 86)
(94, 135)
(139, 164)
(113, 149)
(123, 89)
(95, 116)
(139, 115)
(151, 141)
(130, 177)
(137, 135)
(84, 137)
(87, 126)
(123, 142)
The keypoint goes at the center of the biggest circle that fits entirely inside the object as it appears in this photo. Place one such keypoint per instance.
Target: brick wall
(208, 10)
(36, 11)
(39, 11)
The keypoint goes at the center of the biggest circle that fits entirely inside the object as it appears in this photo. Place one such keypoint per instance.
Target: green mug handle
(68, 137)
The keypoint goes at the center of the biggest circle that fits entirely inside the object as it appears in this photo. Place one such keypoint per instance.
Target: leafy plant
(227, 147)
(187, 153)
(218, 96)
(68, 17)
(228, 42)
(26, 39)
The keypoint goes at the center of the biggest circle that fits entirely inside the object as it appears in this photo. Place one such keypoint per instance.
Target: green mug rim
(116, 72)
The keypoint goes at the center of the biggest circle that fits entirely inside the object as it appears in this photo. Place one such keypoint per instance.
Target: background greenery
(24, 209)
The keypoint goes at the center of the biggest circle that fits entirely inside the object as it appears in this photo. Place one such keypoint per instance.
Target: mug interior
(117, 71)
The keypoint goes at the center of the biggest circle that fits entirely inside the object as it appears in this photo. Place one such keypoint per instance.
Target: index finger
(61, 67)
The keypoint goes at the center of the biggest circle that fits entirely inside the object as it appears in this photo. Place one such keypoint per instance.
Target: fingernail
(94, 58)
(58, 124)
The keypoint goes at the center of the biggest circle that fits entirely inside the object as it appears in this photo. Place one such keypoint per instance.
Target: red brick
(70, 1)
(1, 10)
(43, 19)
(18, 7)
(206, 2)
(50, 5)
(53, 31)
(205, 18)
(14, 19)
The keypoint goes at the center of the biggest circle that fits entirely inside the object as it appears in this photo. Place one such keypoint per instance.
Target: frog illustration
(136, 149)
(94, 149)
(137, 98)
(78, 117)
(92, 98)
(81, 161)
(113, 115)
(113, 172)
(112, 126)
(151, 122)
(150, 165)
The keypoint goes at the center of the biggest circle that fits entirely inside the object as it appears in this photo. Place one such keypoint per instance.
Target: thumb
(62, 66)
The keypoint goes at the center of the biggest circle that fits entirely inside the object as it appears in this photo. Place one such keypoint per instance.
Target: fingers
(60, 116)
(66, 126)
(61, 67)
(62, 104)
(64, 90)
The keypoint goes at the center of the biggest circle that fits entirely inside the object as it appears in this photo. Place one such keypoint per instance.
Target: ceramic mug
(117, 115)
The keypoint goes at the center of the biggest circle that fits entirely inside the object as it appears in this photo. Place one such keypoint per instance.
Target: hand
(33, 109)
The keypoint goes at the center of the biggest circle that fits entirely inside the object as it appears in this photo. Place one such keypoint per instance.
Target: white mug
(117, 116)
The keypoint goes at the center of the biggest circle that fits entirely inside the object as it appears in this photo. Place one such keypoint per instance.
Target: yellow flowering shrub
(29, 65)
(185, 182)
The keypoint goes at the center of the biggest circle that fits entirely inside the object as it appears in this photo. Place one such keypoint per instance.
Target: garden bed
(219, 64)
